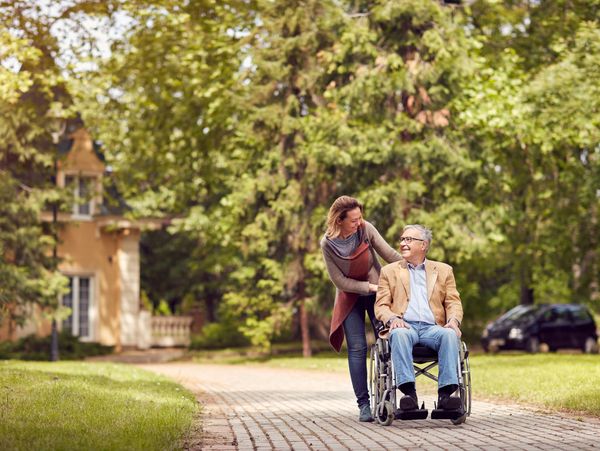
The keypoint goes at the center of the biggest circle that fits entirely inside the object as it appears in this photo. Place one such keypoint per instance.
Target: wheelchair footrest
(415, 414)
(443, 414)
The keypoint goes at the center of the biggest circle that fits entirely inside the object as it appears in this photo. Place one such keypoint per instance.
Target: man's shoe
(446, 402)
(408, 402)
(365, 414)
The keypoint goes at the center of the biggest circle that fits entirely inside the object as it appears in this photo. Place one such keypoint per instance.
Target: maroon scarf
(359, 270)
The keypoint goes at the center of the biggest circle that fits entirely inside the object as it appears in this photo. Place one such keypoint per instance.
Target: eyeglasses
(409, 239)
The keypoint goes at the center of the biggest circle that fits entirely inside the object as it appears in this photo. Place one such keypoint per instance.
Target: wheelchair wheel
(376, 384)
(373, 379)
(464, 385)
(385, 413)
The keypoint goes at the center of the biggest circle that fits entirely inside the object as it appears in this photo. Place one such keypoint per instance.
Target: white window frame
(75, 307)
(75, 190)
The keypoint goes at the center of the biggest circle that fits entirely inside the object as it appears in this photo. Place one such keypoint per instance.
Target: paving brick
(257, 408)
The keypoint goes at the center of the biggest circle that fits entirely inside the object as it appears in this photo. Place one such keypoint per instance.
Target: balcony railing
(171, 330)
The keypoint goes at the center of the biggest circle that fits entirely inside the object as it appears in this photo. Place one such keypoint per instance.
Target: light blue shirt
(418, 304)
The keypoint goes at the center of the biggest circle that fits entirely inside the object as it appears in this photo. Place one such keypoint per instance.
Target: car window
(549, 315)
(561, 314)
(580, 314)
(519, 312)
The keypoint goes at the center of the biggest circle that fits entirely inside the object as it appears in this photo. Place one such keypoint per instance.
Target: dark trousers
(356, 339)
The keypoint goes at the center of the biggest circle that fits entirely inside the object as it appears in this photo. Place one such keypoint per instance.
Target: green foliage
(243, 121)
(36, 348)
(170, 82)
(218, 336)
(162, 309)
(26, 274)
(32, 100)
(534, 134)
(145, 301)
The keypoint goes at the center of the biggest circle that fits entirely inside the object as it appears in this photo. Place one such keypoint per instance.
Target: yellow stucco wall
(86, 250)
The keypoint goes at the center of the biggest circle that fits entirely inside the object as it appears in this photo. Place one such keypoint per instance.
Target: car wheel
(532, 345)
(590, 346)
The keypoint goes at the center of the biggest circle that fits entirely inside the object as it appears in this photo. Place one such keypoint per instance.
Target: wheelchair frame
(384, 406)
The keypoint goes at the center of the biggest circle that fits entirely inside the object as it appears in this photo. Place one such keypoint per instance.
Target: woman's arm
(342, 282)
(383, 249)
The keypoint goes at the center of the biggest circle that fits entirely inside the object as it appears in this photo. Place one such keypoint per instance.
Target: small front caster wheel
(385, 413)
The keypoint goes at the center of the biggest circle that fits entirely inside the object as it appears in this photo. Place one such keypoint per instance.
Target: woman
(349, 248)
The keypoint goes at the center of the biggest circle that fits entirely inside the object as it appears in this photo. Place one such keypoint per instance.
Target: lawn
(557, 381)
(566, 382)
(88, 406)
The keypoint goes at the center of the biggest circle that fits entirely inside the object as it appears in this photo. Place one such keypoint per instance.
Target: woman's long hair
(338, 210)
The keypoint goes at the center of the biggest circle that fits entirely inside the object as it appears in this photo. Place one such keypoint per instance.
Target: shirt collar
(421, 266)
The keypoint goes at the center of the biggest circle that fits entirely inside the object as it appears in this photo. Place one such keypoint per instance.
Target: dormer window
(83, 190)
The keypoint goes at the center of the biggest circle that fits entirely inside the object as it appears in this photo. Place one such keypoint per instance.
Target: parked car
(556, 325)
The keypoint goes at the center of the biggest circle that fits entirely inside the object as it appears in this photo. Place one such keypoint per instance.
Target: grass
(566, 382)
(89, 406)
(561, 382)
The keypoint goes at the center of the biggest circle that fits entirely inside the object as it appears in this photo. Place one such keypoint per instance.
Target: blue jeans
(443, 340)
(356, 339)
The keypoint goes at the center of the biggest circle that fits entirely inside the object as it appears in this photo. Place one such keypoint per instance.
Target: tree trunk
(304, 328)
(527, 297)
(54, 342)
(209, 303)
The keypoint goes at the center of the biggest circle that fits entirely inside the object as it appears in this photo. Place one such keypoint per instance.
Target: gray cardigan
(338, 266)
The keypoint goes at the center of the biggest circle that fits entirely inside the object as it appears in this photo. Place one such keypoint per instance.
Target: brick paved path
(257, 408)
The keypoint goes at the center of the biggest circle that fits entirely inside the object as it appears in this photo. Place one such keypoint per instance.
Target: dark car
(529, 326)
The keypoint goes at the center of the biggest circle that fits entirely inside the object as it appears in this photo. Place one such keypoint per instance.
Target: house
(99, 253)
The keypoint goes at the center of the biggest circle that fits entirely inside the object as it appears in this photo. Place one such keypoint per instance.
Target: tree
(30, 99)
(279, 194)
(535, 167)
(161, 104)
(352, 101)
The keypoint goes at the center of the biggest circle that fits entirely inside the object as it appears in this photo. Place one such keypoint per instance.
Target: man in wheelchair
(418, 301)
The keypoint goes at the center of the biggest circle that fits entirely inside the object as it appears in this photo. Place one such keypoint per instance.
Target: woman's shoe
(365, 414)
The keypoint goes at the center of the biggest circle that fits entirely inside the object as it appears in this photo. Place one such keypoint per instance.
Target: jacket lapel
(432, 274)
(404, 277)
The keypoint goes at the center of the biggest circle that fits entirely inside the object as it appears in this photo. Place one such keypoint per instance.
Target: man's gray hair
(425, 232)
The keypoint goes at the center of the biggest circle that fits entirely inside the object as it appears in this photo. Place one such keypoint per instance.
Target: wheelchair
(382, 387)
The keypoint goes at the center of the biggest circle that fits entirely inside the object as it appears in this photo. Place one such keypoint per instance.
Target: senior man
(418, 300)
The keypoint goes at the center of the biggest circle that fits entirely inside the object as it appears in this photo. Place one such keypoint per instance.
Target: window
(558, 314)
(581, 314)
(82, 189)
(79, 300)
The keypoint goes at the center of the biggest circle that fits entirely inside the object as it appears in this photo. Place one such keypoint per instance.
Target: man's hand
(398, 322)
(453, 324)
(372, 287)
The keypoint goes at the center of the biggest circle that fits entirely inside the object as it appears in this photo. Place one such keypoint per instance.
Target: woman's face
(350, 223)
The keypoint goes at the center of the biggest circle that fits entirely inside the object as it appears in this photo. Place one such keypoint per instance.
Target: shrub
(38, 348)
(219, 335)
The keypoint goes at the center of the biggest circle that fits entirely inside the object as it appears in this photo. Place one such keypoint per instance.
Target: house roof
(66, 140)
(81, 154)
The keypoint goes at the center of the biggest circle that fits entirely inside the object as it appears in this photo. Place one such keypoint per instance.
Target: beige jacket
(393, 294)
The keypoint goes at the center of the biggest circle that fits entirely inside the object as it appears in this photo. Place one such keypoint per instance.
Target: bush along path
(254, 407)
